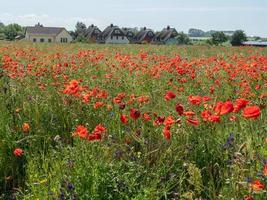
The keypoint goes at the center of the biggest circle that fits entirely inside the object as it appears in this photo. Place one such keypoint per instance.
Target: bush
(238, 37)
(218, 38)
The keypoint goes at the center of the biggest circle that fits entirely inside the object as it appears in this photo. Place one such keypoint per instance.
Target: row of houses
(110, 35)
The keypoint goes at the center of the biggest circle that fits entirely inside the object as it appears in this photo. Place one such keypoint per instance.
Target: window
(117, 37)
(117, 31)
(111, 37)
(49, 40)
(42, 40)
(63, 40)
(34, 39)
(123, 37)
(150, 34)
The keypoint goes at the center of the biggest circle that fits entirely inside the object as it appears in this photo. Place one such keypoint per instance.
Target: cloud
(46, 20)
(194, 9)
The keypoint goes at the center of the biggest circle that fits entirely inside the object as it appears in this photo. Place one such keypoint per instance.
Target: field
(138, 122)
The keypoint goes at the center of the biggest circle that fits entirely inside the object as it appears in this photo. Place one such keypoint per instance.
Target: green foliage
(80, 33)
(218, 38)
(196, 33)
(238, 37)
(12, 30)
(183, 38)
(81, 39)
(2, 34)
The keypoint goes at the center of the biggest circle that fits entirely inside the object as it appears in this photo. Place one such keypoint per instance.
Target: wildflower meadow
(142, 122)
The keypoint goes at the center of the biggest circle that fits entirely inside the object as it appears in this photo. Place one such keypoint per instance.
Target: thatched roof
(91, 30)
(143, 33)
(165, 34)
(39, 30)
(109, 31)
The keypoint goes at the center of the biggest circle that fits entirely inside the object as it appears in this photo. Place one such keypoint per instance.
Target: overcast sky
(248, 15)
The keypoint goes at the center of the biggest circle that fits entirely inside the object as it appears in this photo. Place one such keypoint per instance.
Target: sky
(247, 15)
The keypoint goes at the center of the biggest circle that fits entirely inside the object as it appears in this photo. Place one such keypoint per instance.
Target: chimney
(144, 28)
(92, 25)
(111, 25)
(168, 27)
(38, 25)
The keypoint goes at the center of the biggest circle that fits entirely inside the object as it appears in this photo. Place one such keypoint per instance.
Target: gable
(117, 32)
(64, 34)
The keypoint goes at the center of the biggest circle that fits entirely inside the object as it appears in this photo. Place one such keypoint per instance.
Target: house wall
(31, 37)
(114, 40)
(63, 34)
(147, 39)
(38, 37)
(171, 41)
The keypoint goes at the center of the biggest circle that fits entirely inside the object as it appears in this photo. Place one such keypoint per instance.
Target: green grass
(134, 160)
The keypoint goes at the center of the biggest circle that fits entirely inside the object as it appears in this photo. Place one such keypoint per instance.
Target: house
(166, 36)
(145, 35)
(93, 33)
(255, 43)
(39, 33)
(113, 35)
(130, 33)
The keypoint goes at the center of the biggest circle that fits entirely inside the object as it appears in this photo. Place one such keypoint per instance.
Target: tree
(80, 31)
(183, 38)
(196, 33)
(238, 37)
(218, 38)
(12, 30)
(2, 28)
(73, 34)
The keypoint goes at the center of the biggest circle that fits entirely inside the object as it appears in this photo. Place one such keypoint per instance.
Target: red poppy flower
(226, 108)
(218, 107)
(159, 121)
(205, 115)
(18, 152)
(265, 170)
(206, 98)
(215, 118)
(239, 104)
(233, 118)
(134, 113)
(87, 98)
(169, 95)
(189, 113)
(146, 117)
(169, 121)
(251, 112)
(93, 137)
(99, 129)
(167, 133)
(179, 109)
(98, 104)
(249, 198)
(195, 100)
(124, 119)
(25, 127)
(81, 131)
(72, 87)
(194, 122)
(257, 185)
(122, 106)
